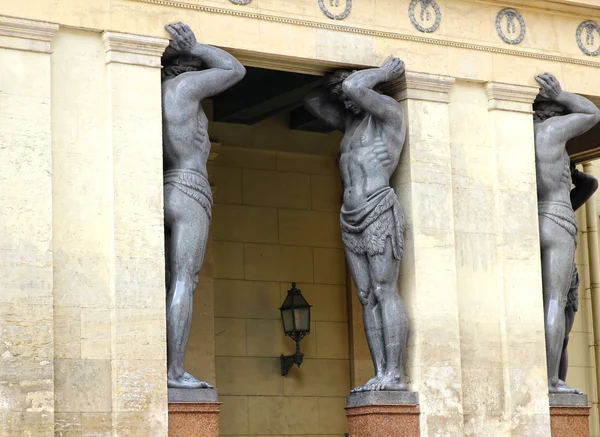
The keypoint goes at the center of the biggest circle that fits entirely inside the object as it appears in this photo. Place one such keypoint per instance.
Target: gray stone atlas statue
(558, 117)
(584, 185)
(191, 72)
(371, 218)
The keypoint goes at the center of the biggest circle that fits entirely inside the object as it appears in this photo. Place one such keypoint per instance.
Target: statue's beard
(544, 110)
(176, 70)
(544, 115)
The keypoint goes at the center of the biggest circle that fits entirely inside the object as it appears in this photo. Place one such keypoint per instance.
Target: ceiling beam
(261, 95)
(585, 147)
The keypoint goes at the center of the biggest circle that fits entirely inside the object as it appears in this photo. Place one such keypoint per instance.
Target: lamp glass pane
(302, 319)
(297, 320)
(288, 323)
(305, 318)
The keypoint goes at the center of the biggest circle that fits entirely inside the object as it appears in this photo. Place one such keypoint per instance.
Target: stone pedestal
(193, 413)
(378, 414)
(569, 415)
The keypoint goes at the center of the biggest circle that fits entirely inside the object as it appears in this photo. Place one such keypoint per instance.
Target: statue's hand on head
(394, 68)
(183, 39)
(550, 86)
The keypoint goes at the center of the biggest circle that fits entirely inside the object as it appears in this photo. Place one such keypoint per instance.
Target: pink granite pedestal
(569, 415)
(383, 414)
(193, 413)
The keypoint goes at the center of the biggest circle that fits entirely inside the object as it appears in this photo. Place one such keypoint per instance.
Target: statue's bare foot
(187, 381)
(562, 387)
(390, 383)
(368, 386)
(383, 383)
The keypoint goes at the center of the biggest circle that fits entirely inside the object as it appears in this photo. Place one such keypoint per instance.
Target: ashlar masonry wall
(276, 221)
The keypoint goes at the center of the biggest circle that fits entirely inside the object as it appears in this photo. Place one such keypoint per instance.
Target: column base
(569, 415)
(383, 413)
(193, 413)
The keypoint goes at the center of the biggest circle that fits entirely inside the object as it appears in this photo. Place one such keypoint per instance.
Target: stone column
(520, 303)
(137, 279)
(26, 258)
(427, 282)
(81, 236)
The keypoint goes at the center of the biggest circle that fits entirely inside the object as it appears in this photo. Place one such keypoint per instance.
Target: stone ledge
(514, 98)
(26, 35)
(126, 48)
(568, 400)
(421, 86)
(200, 395)
(382, 398)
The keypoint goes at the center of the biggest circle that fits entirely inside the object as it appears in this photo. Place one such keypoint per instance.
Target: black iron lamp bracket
(288, 361)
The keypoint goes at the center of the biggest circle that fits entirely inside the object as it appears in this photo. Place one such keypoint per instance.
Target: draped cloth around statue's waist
(193, 184)
(560, 213)
(365, 229)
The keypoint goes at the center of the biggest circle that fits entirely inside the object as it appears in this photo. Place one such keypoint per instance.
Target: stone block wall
(81, 235)
(276, 221)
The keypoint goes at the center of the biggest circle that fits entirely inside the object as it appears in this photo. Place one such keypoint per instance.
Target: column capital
(421, 86)
(514, 98)
(26, 35)
(127, 48)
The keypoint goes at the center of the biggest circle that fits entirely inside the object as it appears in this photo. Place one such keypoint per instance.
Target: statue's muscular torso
(362, 172)
(186, 144)
(552, 163)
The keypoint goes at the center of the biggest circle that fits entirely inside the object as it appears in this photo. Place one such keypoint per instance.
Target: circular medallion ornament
(336, 4)
(513, 30)
(240, 2)
(588, 38)
(425, 17)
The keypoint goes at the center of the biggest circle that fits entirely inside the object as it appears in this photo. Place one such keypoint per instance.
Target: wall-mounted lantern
(295, 317)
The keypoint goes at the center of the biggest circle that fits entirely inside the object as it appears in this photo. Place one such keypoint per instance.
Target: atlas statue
(191, 73)
(558, 117)
(371, 218)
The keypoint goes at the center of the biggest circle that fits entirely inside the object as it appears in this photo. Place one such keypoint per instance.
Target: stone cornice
(505, 97)
(421, 86)
(27, 35)
(561, 7)
(125, 48)
(292, 64)
(372, 32)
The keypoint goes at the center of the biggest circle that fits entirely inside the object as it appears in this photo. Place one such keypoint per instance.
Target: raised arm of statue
(581, 115)
(585, 186)
(359, 88)
(319, 105)
(223, 70)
